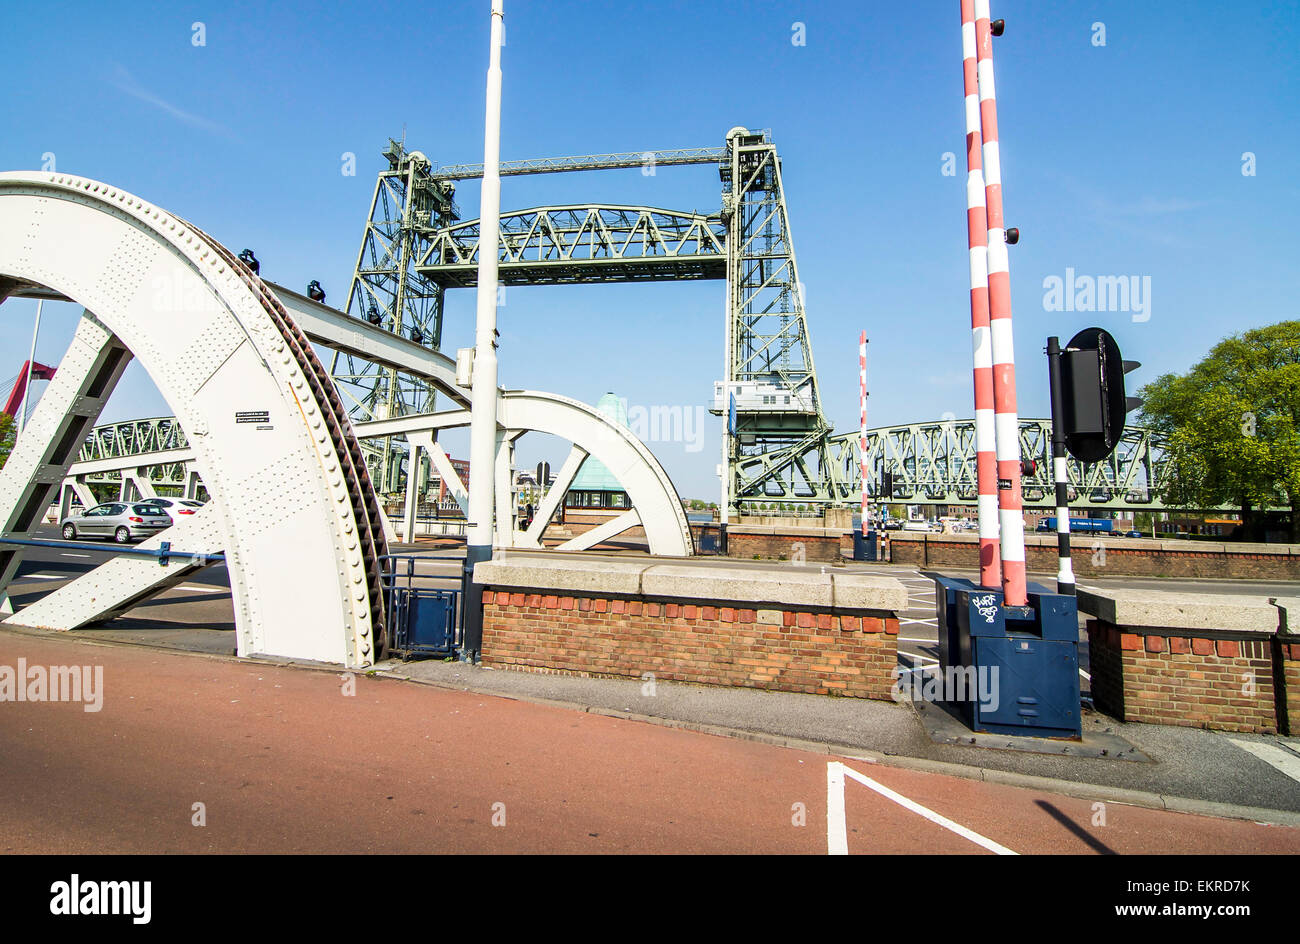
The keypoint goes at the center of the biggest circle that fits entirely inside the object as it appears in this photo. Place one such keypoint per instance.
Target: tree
(1232, 426)
(8, 434)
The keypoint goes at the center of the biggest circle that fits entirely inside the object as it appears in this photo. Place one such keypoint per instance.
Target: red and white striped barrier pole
(1011, 521)
(986, 471)
(862, 437)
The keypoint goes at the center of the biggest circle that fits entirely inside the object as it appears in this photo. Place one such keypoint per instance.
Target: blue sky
(1118, 160)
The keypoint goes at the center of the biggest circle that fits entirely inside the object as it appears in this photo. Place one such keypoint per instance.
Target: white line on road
(917, 655)
(42, 577)
(915, 639)
(1284, 761)
(837, 839)
(202, 588)
(837, 833)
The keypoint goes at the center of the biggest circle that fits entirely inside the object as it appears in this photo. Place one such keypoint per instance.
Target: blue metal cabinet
(1025, 663)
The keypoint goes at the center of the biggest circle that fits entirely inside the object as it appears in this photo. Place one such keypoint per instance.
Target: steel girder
(553, 165)
(265, 424)
(563, 245)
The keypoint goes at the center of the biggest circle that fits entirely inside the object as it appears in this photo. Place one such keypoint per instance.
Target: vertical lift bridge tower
(416, 247)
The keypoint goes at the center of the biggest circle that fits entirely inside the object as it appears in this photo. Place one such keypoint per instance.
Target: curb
(1085, 791)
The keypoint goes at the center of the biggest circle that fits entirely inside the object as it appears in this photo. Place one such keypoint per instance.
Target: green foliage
(1232, 423)
(7, 436)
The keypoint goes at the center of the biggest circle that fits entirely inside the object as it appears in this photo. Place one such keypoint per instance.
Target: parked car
(175, 508)
(121, 521)
(1132, 534)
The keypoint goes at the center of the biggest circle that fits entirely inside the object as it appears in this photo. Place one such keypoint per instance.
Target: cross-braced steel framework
(580, 244)
(388, 291)
(415, 249)
(935, 463)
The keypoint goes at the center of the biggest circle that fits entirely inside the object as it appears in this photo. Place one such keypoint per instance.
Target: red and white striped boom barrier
(1011, 522)
(977, 232)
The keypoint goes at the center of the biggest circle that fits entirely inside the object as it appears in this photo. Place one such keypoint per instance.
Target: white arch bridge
(257, 418)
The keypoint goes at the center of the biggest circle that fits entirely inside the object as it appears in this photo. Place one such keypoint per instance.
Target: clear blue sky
(1122, 159)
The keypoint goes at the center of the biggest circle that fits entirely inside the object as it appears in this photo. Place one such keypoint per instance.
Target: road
(199, 615)
(278, 759)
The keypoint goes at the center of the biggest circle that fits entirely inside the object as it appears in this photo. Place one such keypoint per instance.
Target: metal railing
(423, 620)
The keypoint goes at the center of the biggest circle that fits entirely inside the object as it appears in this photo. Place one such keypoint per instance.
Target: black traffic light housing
(887, 484)
(1092, 380)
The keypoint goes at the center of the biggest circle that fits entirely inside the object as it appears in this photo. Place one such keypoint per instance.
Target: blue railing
(422, 620)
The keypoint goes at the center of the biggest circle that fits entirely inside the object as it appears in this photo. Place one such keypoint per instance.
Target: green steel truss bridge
(931, 463)
(416, 247)
(934, 463)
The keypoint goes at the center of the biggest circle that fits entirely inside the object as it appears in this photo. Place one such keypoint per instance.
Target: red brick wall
(820, 548)
(1118, 560)
(839, 652)
(1179, 679)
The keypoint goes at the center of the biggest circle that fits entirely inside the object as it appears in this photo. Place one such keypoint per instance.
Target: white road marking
(201, 588)
(43, 577)
(918, 655)
(837, 832)
(916, 639)
(1085, 675)
(837, 839)
(1281, 759)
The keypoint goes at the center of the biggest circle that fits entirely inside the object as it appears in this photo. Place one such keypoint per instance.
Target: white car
(177, 509)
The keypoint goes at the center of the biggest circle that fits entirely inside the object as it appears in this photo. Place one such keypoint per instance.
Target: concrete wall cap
(1166, 609)
(787, 586)
(542, 573)
(869, 592)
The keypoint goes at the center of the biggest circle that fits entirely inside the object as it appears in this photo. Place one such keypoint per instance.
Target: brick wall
(821, 547)
(1164, 677)
(1119, 559)
(795, 650)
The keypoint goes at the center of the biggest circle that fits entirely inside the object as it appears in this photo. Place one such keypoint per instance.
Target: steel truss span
(228, 359)
(581, 244)
(934, 463)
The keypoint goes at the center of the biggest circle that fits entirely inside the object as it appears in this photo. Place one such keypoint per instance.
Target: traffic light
(1092, 381)
(887, 484)
(1028, 468)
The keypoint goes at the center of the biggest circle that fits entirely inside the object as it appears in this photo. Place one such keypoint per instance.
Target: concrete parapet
(1165, 609)
(1198, 660)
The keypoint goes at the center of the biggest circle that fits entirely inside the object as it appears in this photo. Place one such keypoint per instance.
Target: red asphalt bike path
(283, 761)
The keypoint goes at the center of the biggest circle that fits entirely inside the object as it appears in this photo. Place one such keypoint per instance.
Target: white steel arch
(298, 522)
